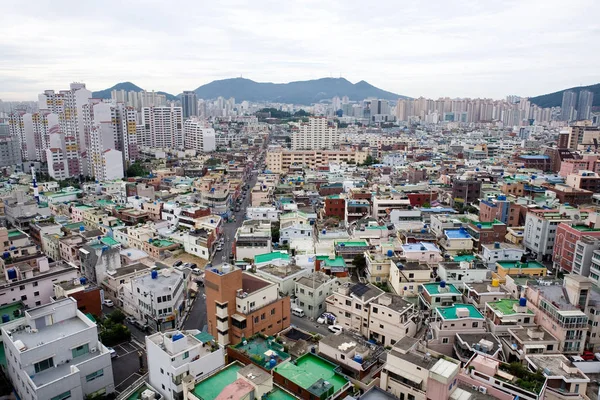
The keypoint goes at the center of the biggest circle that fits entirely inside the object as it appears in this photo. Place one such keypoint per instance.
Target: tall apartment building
(137, 100)
(316, 134)
(584, 104)
(54, 353)
(163, 127)
(240, 304)
(68, 105)
(189, 104)
(568, 110)
(280, 160)
(199, 136)
(10, 152)
(32, 130)
(580, 136)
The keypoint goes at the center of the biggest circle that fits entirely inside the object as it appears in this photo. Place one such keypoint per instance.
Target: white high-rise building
(32, 130)
(68, 104)
(316, 134)
(54, 353)
(163, 127)
(56, 155)
(106, 161)
(199, 135)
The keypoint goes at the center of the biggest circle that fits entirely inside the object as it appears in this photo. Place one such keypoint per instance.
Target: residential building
(189, 104)
(312, 290)
(456, 241)
(524, 341)
(175, 355)
(411, 371)
(391, 318)
(584, 180)
(423, 252)
(486, 233)
(251, 239)
(356, 357)
(199, 136)
(350, 305)
(157, 299)
(466, 191)
(568, 109)
(446, 322)
(406, 277)
(280, 160)
(584, 104)
(481, 293)
(10, 152)
(285, 275)
(382, 205)
(518, 268)
(540, 231)
(506, 314)
(335, 207)
(163, 127)
(500, 251)
(238, 303)
(54, 353)
(316, 134)
(86, 294)
(263, 213)
(463, 271)
(566, 251)
(433, 295)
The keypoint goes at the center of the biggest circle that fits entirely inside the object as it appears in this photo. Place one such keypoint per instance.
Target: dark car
(141, 326)
(177, 263)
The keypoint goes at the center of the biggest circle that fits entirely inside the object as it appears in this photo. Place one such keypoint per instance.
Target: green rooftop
(211, 387)
(73, 226)
(466, 257)
(336, 262)
(520, 265)
(14, 232)
(310, 368)
(584, 228)
(434, 288)
(162, 243)
(10, 310)
(269, 257)
(333, 196)
(259, 348)
(359, 243)
(278, 394)
(505, 306)
(83, 207)
(449, 313)
(204, 337)
(107, 240)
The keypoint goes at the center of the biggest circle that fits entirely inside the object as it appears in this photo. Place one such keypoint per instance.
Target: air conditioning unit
(482, 389)
(93, 350)
(148, 395)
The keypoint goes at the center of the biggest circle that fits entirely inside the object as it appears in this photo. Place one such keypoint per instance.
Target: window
(36, 293)
(94, 375)
(162, 371)
(358, 306)
(475, 324)
(375, 310)
(256, 320)
(273, 311)
(445, 340)
(262, 316)
(80, 350)
(186, 355)
(62, 396)
(22, 287)
(348, 303)
(43, 365)
(23, 297)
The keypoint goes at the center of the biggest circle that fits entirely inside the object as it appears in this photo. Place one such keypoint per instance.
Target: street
(310, 326)
(196, 318)
(126, 367)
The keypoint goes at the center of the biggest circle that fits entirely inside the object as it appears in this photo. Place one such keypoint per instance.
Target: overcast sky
(419, 48)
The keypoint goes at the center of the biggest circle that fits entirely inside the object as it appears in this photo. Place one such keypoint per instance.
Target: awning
(535, 346)
(404, 374)
(238, 317)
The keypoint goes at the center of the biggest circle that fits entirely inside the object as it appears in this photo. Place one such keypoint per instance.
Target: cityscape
(299, 201)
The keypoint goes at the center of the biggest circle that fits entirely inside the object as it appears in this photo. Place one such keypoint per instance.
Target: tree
(275, 233)
(360, 262)
(136, 169)
(117, 316)
(302, 113)
(212, 162)
(370, 161)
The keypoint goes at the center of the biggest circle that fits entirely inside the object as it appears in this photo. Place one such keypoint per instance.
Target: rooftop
(260, 350)
(280, 271)
(584, 228)
(49, 333)
(161, 280)
(522, 334)
(11, 309)
(551, 365)
(338, 261)
(212, 386)
(129, 269)
(434, 288)
(520, 265)
(314, 280)
(505, 306)
(450, 313)
(252, 283)
(309, 369)
(268, 257)
(457, 234)
(423, 246)
(358, 243)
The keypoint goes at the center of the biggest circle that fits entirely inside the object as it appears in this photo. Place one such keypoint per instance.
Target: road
(229, 228)
(196, 318)
(310, 326)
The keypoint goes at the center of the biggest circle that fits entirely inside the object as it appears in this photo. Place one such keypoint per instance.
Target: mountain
(301, 92)
(555, 99)
(127, 86)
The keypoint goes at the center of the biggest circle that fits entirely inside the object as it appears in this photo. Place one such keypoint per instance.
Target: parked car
(131, 320)
(219, 248)
(177, 263)
(141, 326)
(108, 303)
(196, 271)
(326, 318)
(113, 352)
(588, 355)
(336, 329)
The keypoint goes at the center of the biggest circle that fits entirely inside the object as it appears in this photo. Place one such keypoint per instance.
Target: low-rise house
(463, 271)
(175, 355)
(115, 280)
(284, 276)
(406, 277)
(522, 342)
(517, 268)
(291, 231)
(350, 305)
(251, 239)
(312, 290)
(422, 252)
(446, 322)
(481, 293)
(466, 345)
(160, 248)
(455, 241)
(492, 253)
(508, 313)
(260, 350)
(85, 293)
(356, 357)
(277, 258)
(442, 294)
(391, 318)
(263, 213)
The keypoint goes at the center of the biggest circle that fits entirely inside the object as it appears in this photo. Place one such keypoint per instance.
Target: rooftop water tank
(523, 302)
(6, 255)
(358, 358)
(177, 336)
(82, 280)
(390, 253)
(154, 274)
(272, 363)
(443, 284)
(81, 228)
(324, 231)
(496, 245)
(495, 282)
(5, 318)
(479, 226)
(12, 273)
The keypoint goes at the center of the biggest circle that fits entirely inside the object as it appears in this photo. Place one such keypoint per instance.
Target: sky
(434, 48)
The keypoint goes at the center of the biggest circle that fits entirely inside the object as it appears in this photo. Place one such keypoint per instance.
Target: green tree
(360, 262)
(136, 169)
(302, 113)
(275, 233)
(117, 317)
(212, 162)
(370, 161)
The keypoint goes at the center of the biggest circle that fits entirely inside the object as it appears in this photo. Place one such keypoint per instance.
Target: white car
(196, 271)
(108, 303)
(113, 352)
(336, 329)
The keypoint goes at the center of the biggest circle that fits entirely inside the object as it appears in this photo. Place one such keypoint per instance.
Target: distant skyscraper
(189, 103)
(568, 111)
(584, 104)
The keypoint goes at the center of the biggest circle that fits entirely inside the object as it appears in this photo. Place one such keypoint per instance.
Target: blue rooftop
(457, 234)
(422, 246)
(535, 157)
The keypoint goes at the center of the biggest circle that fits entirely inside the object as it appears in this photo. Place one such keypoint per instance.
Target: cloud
(430, 48)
